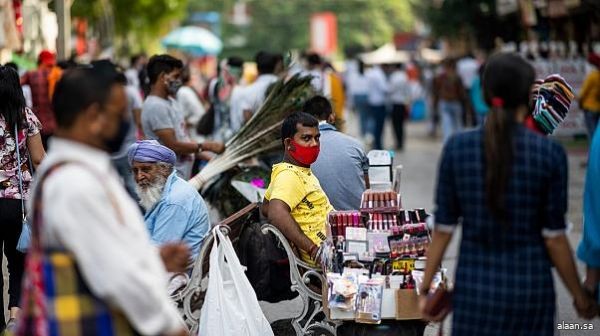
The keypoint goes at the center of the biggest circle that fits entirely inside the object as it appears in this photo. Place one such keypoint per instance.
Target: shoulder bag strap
(37, 205)
(20, 172)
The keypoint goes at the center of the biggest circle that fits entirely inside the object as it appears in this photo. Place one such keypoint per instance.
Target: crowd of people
(114, 149)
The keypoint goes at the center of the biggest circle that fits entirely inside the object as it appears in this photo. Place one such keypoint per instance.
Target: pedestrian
(477, 100)
(342, 162)
(589, 96)
(507, 186)
(377, 98)
(449, 99)
(190, 103)
(226, 96)
(255, 94)
(400, 96)
(133, 116)
(40, 93)
(589, 247)
(358, 88)
(314, 68)
(87, 231)
(15, 116)
(162, 118)
(26, 88)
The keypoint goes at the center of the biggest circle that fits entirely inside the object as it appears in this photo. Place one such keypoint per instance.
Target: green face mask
(236, 72)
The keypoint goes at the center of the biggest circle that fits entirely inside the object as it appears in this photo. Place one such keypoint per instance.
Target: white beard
(151, 194)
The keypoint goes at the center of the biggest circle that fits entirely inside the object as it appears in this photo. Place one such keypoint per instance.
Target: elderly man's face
(146, 174)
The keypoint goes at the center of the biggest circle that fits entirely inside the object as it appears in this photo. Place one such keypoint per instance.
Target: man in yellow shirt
(589, 96)
(295, 202)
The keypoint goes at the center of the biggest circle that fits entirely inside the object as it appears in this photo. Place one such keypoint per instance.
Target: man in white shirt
(377, 98)
(255, 94)
(400, 93)
(87, 212)
(190, 103)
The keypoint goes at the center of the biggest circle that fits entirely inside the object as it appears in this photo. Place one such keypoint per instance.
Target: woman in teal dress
(589, 248)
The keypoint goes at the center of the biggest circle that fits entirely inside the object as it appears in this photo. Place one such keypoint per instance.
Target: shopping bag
(24, 238)
(230, 306)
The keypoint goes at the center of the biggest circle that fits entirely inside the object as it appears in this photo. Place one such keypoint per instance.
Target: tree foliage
(137, 23)
(281, 25)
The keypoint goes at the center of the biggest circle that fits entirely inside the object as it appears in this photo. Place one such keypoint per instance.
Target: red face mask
(304, 155)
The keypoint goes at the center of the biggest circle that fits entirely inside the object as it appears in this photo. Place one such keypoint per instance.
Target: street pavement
(419, 174)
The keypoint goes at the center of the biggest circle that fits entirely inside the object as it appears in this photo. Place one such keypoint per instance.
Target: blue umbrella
(193, 40)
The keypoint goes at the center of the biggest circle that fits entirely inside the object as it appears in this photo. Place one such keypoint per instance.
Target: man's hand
(213, 146)
(175, 256)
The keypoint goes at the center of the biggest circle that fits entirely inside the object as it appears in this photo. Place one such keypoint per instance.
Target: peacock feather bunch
(262, 132)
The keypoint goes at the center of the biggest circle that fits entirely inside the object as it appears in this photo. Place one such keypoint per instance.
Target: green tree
(281, 25)
(131, 25)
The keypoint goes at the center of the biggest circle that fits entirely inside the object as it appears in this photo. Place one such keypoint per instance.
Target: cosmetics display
(389, 245)
(380, 201)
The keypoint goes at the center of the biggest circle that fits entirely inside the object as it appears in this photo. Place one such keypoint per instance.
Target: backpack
(268, 268)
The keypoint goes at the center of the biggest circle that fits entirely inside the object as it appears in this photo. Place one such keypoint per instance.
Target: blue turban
(150, 151)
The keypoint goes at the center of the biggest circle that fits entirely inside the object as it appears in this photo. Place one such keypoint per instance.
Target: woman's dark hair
(290, 124)
(507, 80)
(12, 101)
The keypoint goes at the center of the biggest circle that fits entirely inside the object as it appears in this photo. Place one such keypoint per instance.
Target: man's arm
(279, 214)
(168, 138)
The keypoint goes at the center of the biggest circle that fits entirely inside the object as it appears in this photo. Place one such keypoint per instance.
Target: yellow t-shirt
(590, 92)
(300, 189)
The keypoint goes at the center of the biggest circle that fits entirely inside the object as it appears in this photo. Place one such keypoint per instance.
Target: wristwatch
(200, 147)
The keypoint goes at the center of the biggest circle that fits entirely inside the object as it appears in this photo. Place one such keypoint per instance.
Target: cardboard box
(407, 305)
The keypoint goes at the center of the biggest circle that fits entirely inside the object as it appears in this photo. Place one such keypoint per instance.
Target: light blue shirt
(180, 215)
(589, 247)
(340, 167)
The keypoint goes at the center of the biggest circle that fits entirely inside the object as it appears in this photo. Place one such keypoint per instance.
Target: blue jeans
(378, 115)
(362, 107)
(124, 170)
(591, 122)
(451, 113)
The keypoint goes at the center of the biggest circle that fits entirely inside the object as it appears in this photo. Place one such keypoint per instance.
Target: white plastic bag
(230, 307)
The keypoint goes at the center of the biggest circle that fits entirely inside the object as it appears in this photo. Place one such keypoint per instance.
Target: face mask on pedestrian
(173, 85)
(115, 143)
(303, 154)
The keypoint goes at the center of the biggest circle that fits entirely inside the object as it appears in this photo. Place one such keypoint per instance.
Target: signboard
(323, 33)
(574, 72)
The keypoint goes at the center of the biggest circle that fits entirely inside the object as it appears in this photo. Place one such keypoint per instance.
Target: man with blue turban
(174, 210)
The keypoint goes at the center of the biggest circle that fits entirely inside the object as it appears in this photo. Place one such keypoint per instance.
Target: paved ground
(420, 160)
